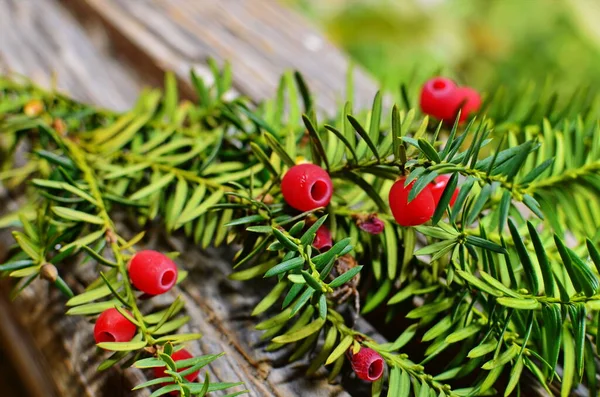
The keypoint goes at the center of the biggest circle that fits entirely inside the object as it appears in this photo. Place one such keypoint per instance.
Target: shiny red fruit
(159, 372)
(438, 98)
(306, 187)
(152, 272)
(413, 213)
(367, 364)
(112, 326)
(323, 241)
(470, 100)
(437, 189)
(442, 99)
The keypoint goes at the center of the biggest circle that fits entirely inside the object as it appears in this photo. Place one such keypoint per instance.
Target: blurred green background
(478, 42)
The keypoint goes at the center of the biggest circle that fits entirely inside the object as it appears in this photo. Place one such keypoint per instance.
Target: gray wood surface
(260, 38)
(41, 40)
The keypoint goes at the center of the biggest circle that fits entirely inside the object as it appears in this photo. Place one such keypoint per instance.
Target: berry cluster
(152, 273)
(307, 187)
(442, 99)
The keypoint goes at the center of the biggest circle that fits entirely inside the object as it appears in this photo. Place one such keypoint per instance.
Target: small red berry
(306, 187)
(159, 372)
(323, 241)
(437, 189)
(152, 272)
(413, 213)
(438, 98)
(367, 364)
(112, 326)
(470, 100)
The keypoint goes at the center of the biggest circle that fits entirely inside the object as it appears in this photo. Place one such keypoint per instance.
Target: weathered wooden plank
(41, 40)
(262, 39)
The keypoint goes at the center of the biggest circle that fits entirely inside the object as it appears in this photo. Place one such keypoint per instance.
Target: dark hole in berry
(376, 368)
(106, 337)
(318, 190)
(167, 278)
(439, 85)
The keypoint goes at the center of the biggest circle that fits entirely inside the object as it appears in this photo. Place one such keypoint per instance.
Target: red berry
(159, 372)
(306, 187)
(322, 241)
(470, 99)
(112, 326)
(438, 98)
(152, 272)
(437, 189)
(413, 213)
(367, 364)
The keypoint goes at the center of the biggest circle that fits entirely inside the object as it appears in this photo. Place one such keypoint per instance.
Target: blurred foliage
(478, 42)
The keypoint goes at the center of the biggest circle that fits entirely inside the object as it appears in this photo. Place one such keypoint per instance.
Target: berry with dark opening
(112, 326)
(306, 187)
(323, 241)
(470, 100)
(415, 212)
(367, 364)
(159, 372)
(152, 272)
(437, 189)
(438, 98)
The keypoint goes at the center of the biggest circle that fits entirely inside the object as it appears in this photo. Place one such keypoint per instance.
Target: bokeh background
(478, 42)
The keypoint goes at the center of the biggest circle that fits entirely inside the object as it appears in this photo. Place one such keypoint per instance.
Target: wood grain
(262, 39)
(42, 41)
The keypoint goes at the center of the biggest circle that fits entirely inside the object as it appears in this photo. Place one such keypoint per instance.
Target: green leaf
(517, 303)
(77, 216)
(578, 320)
(374, 301)
(429, 151)
(340, 349)
(568, 377)
(503, 358)
(285, 266)
(270, 299)
(277, 148)
(308, 236)
(485, 244)
(515, 376)
(364, 135)
(284, 240)
(92, 308)
(316, 139)
(345, 277)
(581, 276)
(503, 210)
(528, 268)
(304, 92)
(302, 333)
(91, 295)
(153, 187)
(311, 281)
(122, 346)
(545, 267)
(263, 158)
(445, 199)
(344, 140)
(438, 329)
(463, 333)
(430, 308)
(367, 188)
(477, 283)
(192, 213)
(404, 293)
(482, 350)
